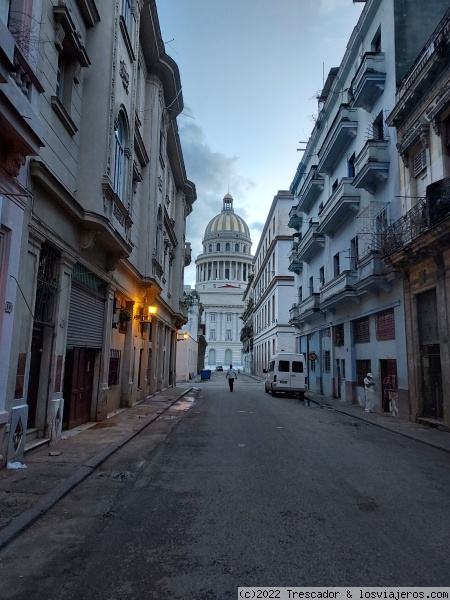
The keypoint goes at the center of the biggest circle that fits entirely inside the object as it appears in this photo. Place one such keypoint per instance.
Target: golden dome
(227, 223)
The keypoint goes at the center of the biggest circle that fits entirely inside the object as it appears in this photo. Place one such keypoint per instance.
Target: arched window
(210, 247)
(217, 247)
(227, 247)
(244, 249)
(236, 247)
(120, 160)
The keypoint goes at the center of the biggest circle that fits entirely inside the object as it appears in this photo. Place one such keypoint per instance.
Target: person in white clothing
(231, 376)
(369, 384)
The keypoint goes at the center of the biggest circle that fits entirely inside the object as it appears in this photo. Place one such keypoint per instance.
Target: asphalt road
(242, 489)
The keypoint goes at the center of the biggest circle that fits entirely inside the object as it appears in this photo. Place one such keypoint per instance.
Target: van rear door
(284, 375)
(298, 374)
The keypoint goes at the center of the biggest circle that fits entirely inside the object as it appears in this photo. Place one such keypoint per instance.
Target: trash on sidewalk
(54, 453)
(15, 465)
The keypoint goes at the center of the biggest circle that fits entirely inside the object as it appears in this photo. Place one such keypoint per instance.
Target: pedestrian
(369, 384)
(231, 376)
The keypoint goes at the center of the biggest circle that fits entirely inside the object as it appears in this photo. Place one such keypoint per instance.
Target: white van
(287, 374)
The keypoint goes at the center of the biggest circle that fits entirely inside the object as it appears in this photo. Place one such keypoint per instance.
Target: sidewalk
(438, 438)
(52, 471)
(431, 436)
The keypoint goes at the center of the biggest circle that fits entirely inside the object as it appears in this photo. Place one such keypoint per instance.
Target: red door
(78, 383)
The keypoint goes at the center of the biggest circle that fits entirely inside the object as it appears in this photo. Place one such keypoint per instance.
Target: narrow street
(242, 489)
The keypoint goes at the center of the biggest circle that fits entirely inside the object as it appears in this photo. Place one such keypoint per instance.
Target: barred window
(362, 368)
(361, 331)
(326, 361)
(326, 332)
(385, 325)
(114, 367)
(338, 334)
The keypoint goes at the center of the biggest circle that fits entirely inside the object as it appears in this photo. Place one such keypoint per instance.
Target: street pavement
(53, 471)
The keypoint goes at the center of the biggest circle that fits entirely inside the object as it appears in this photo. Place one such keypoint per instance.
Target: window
(311, 286)
(217, 247)
(244, 249)
(236, 247)
(338, 334)
(114, 367)
(213, 316)
(362, 368)
(228, 337)
(321, 276)
(420, 161)
(376, 42)
(297, 366)
(47, 285)
(212, 335)
(351, 166)
(228, 316)
(385, 325)
(336, 265)
(126, 13)
(119, 157)
(300, 294)
(227, 247)
(210, 248)
(326, 361)
(283, 366)
(361, 331)
(378, 128)
(353, 252)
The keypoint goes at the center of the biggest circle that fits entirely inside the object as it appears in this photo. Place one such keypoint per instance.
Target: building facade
(273, 286)
(103, 244)
(418, 244)
(350, 312)
(222, 274)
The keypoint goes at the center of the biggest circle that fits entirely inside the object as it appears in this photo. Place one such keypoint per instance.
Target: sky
(250, 72)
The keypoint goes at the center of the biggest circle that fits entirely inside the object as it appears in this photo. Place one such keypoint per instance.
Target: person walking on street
(231, 376)
(369, 384)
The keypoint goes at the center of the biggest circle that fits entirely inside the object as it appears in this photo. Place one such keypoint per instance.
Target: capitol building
(222, 273)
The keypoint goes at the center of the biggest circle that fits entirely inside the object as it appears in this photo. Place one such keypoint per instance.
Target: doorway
(78, 386)
(389, 390)
(433, 405)
(37, 345)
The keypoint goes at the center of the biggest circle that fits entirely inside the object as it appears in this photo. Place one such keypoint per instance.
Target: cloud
(212, 173)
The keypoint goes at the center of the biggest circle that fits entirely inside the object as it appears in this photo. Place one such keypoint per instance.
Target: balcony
(310, 190)
(342, 204)
(311, 243)
(372, 165)
(368, 83)
(294, 313)
(342, 131)
(422, 231)
(373, 275)
(338, 291)
(309, 309)
(295, 219)
(295, 264)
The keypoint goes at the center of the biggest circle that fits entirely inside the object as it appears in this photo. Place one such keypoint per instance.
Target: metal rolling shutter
(86, 318)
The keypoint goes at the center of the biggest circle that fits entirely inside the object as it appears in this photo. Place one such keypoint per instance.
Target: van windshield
(297, 366)
(283, 366)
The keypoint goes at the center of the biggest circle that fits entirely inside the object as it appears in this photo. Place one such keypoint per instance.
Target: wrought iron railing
(425, 215)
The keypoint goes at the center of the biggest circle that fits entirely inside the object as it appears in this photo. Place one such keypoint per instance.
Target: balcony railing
(310, 190)
(343, 203)
(422, 218)
(295, 218)
(342, 131)
(372, 165)
(342, 285)
(311, 243)
(368, 83)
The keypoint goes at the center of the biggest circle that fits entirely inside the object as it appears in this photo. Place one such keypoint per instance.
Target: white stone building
(273, 286)
(221, 279)
(104, 227)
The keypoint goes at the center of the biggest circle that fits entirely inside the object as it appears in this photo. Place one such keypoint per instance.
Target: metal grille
(361, 330)
(338, 335)
(385, 325)
(114, 367)
(362, 368)
(326, 361)
(47, 285)
(423, 216)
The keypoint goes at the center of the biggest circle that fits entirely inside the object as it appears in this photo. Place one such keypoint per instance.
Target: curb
(380, 425)
(31, 515)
